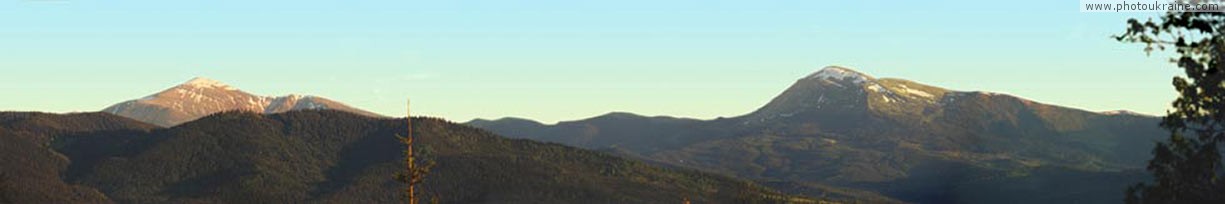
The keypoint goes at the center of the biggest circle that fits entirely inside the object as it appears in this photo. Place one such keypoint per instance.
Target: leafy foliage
(1187, 168)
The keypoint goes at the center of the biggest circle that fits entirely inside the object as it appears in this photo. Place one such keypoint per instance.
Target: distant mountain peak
(206, 82)
(840, 73)
(201, 96)
(621, 114)
(831, 89)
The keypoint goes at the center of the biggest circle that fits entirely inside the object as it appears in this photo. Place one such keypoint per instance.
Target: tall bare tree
(413, 174)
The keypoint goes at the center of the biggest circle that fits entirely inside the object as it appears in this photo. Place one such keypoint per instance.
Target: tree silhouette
(413, 174)
(1187, 168)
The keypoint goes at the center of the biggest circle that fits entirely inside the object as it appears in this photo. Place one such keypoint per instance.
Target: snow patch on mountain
(201, 82)
(915, 92)
(1124, 112)
(840, 73)
(886, 99)
(875, 87)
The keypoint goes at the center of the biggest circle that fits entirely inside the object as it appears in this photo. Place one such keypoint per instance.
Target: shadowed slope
(31, 169)
(338, 157)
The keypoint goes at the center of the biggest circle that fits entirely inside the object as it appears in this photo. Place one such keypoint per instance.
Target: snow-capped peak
(1123, 112)
(205, 82)
(201, 96)
(839, 73)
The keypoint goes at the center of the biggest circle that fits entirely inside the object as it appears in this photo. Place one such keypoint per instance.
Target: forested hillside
(30, 169)
(338, 157)
(899, 138)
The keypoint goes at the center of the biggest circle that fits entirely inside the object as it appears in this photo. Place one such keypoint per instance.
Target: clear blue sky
(563, 59)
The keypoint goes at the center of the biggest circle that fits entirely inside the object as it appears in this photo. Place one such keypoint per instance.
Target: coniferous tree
(1188, 167)
(414, 171)
(413, 174)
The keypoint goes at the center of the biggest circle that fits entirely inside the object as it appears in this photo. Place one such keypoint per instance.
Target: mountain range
(836, 134)
(200, 97)
(902, 139)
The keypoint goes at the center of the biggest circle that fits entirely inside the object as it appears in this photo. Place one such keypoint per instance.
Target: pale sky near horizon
(556, 60)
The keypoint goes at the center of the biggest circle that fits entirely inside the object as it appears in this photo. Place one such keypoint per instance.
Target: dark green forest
(322, 157)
